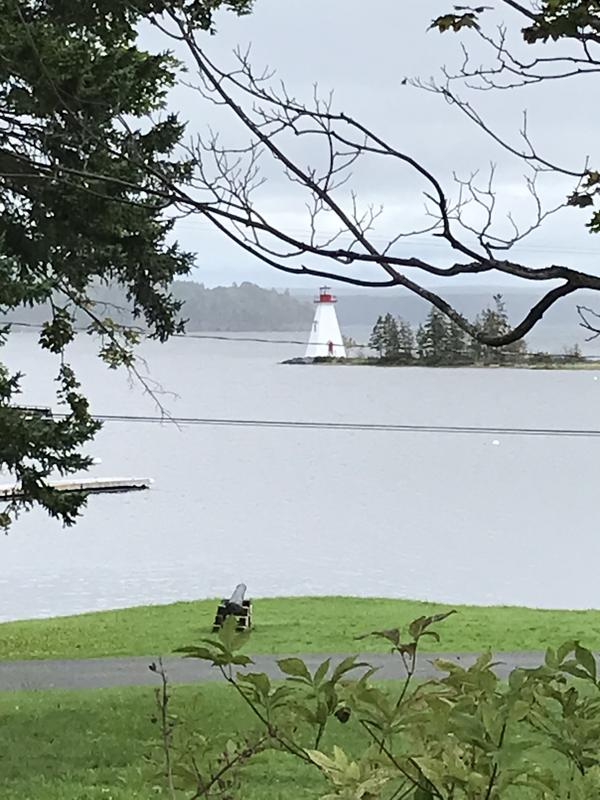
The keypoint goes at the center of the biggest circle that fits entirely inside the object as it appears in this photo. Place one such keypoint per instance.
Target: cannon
(235, 606)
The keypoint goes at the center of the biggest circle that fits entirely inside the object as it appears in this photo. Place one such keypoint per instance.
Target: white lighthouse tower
(325, 336)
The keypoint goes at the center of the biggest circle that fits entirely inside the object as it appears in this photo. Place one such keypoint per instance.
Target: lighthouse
(325, 336)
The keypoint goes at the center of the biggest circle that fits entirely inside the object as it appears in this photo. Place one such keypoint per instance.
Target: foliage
(432, 339)
(464, 735)
(552, 19)
(440, 341)
(564, 19)
(459, 347)
(81, 162)
(377, 338)
(495, 320)
(455, 22)
(34, 446)
(406, 340)
(392, 339)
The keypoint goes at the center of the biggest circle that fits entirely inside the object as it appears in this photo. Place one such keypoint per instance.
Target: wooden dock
(11, 491)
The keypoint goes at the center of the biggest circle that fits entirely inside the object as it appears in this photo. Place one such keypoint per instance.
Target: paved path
(96, 673)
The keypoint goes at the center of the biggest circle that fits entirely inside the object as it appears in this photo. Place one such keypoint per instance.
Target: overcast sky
(363, 51)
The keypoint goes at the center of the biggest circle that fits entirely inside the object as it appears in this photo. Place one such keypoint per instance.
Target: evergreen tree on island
(432, 338)
(494, 321)
(406, 339)
(440, 341)
(392, 339)
(376, 340)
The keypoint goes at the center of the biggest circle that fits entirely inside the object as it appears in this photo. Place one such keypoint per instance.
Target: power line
(222, 338)
(210, 336)
(302, 342)
(347, 426)
(415, 242)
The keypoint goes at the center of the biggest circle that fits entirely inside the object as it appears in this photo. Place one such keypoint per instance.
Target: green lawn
(102, 745)
(293, 625)
(94, 745)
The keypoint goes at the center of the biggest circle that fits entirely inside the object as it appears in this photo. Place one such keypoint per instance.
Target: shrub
(465, 735)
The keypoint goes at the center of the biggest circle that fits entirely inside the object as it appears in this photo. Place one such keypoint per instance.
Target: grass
(94, 745)
(102, 745)
(293, 625)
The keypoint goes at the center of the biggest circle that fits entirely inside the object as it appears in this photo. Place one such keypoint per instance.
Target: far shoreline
(378, 362)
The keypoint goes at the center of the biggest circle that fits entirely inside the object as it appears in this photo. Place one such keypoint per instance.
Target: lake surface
(445, 517)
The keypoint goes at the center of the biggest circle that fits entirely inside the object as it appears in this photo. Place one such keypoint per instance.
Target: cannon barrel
(235, 604)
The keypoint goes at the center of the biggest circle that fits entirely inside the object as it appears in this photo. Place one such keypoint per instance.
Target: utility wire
(215, 337)
(303, 342)
(347, 426)
(425, 242)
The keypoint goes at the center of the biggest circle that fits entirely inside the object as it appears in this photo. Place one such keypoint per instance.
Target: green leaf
(240, 660)
(580, 200)
(517, 678)
(321, 672)
(573, 668)
(519, 710)
(215, 643)
(483, 661)
(240, 639)
(441, 617)
(448, 666)
(295, 667)
(305, 713)
(320, 759)
(259, 681)
(455, 22)
(408, 649)
(322, 713)
(418, 626)
(551, 658)
(227, 632)
(347, 665)
(564, 650)
(391, 634)
(587, 660)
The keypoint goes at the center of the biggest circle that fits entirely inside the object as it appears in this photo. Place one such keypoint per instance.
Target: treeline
(441, 342)
(243, 307)
(246, 307)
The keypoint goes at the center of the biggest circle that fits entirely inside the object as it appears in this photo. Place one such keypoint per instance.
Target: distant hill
(246, 307)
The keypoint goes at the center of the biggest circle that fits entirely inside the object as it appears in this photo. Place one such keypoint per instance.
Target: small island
(440, 342)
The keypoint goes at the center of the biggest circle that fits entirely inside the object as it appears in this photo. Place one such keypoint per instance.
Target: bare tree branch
(521, 9)
(340, 234)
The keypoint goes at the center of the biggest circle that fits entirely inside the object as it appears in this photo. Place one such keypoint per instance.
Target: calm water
(291, 512)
